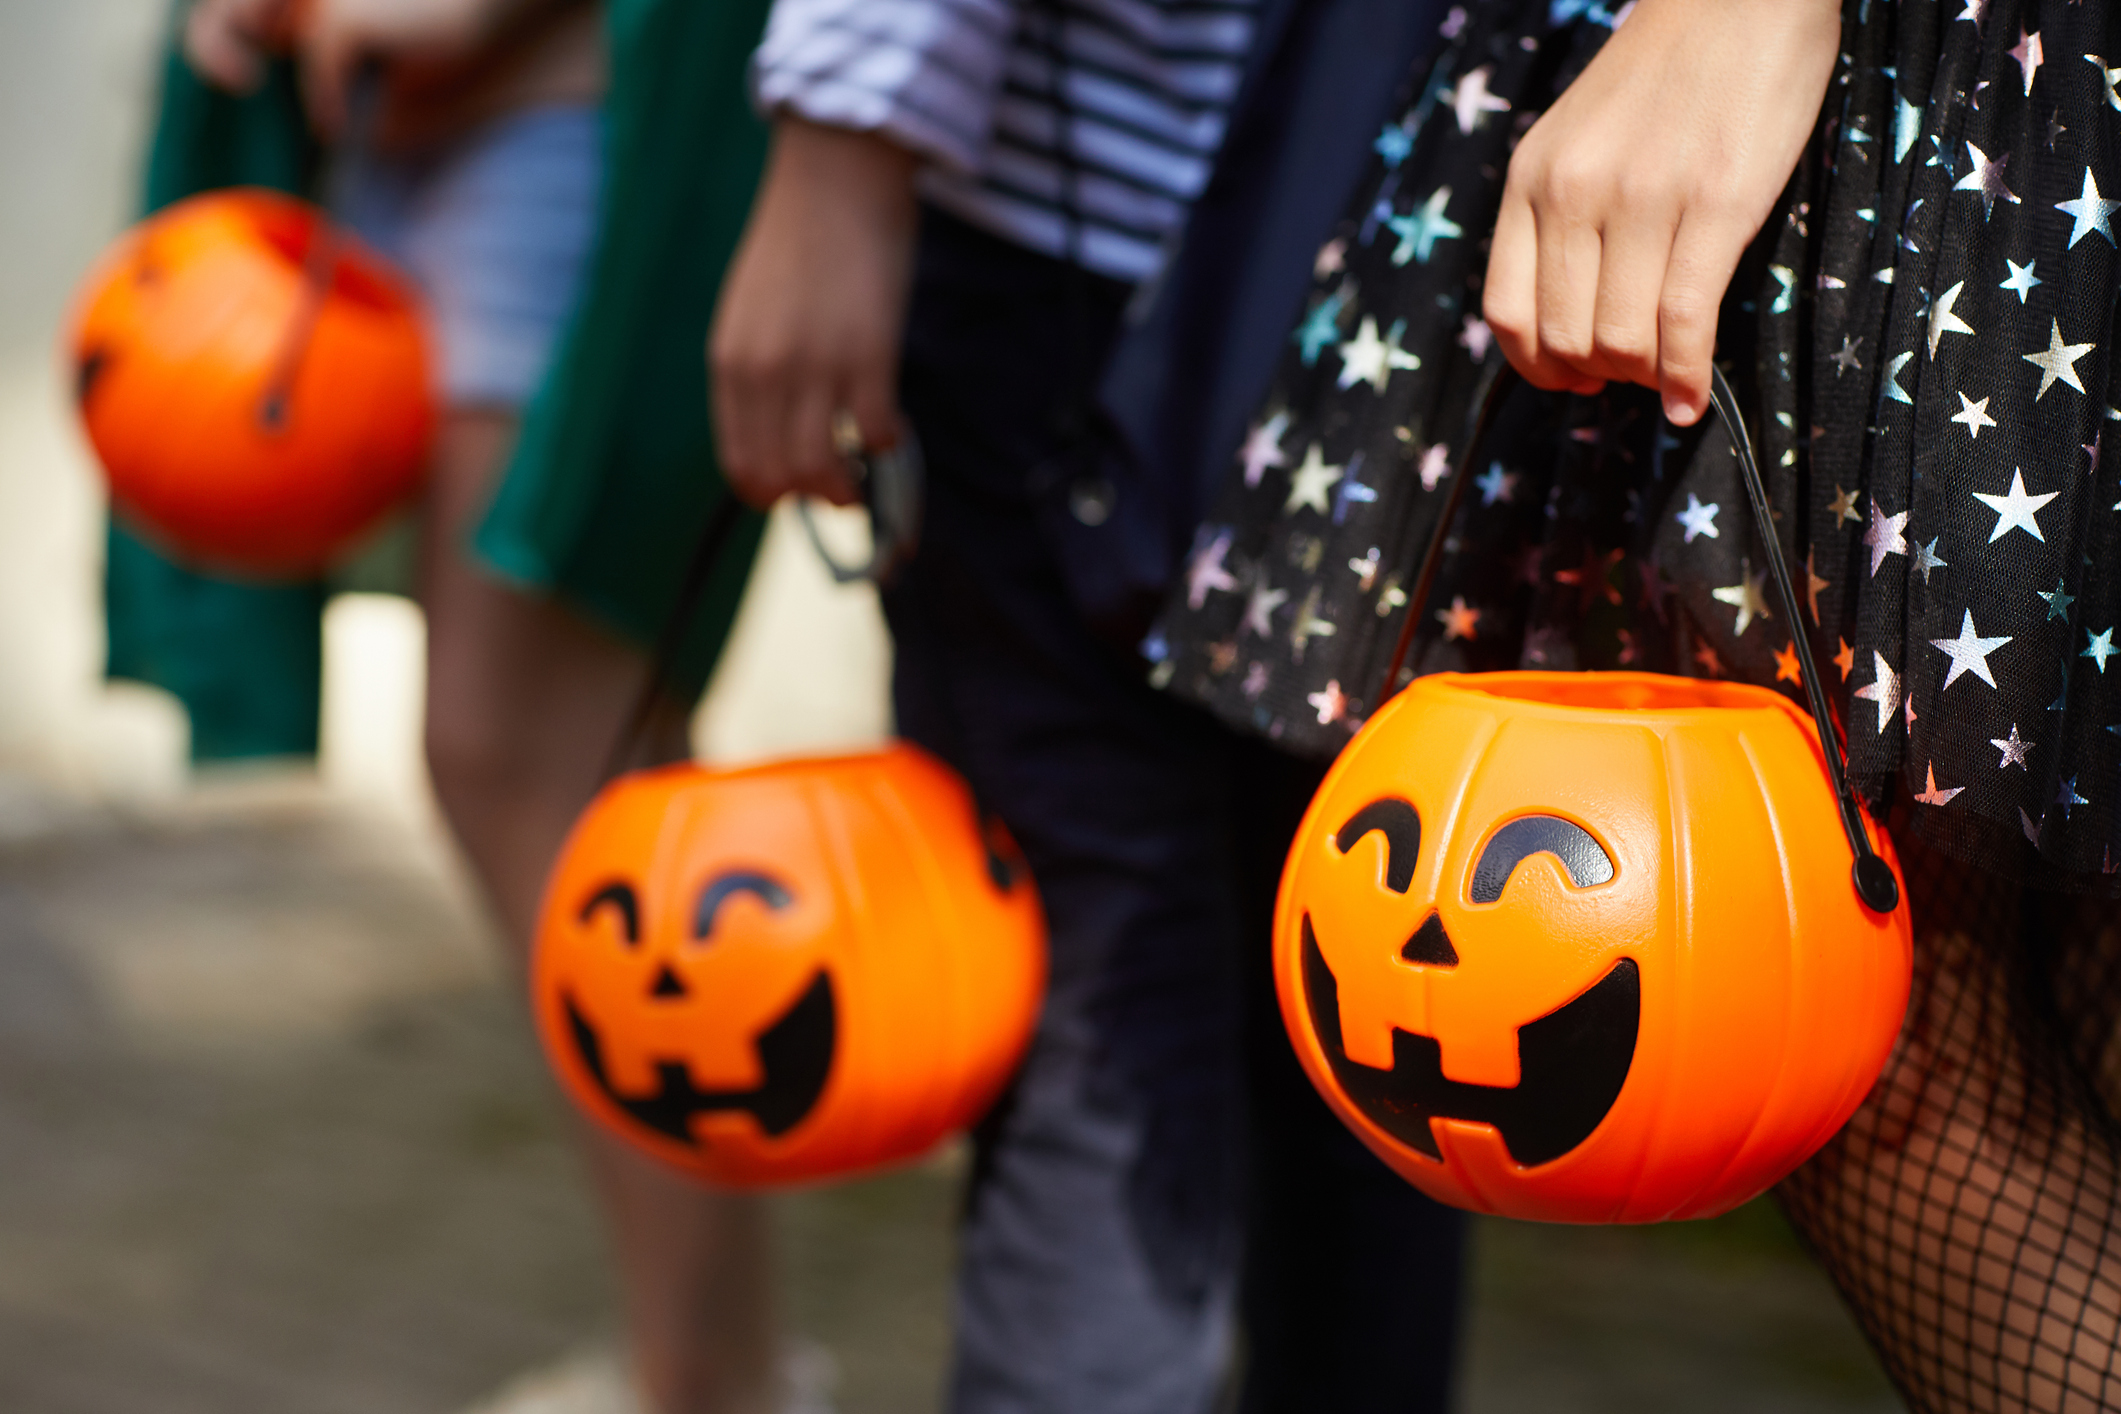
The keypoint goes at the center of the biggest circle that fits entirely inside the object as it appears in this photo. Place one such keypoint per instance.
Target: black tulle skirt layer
(1924, 336)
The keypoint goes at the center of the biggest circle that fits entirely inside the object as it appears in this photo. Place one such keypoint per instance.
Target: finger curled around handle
(1705, 255)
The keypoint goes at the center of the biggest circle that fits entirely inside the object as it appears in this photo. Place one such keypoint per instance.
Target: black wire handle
(722, 522)
(1873, 877)
(892, 482)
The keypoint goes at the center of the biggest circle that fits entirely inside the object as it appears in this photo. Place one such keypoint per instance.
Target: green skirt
(614, 476)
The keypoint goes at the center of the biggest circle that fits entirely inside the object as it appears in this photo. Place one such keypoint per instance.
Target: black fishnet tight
(1971, 1211)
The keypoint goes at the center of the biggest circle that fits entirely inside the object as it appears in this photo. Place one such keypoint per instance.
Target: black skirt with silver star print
(1922, 336)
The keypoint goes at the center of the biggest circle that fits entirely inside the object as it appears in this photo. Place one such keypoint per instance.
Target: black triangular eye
(618, 896)
(1583, 857)
(667, 984)
(1431, 944)
(1398, 822)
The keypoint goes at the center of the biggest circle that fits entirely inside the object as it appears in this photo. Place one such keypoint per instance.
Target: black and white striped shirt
(1082, 129)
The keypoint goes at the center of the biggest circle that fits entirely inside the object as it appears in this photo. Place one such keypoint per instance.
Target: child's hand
(227, 41)
(338, 36)
(811, 313)
(1630, 202)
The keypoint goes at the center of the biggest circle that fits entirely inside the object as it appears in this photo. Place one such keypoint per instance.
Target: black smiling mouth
(796, 1053)
(1572, 1064)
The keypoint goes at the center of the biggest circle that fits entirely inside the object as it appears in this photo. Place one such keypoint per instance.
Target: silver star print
(2029, 57)
(2058, 601)
(2111, 78)
(1846, 359)
(2022, 279)
(1699, 519)
(1893, 390)
(1470, 100)
(1986, 178)
(1476, 338)
(1927, 559)
(1320, 329)
(1262, 447)
(1930, 795)
(1331, 702)
(1352, 492)
(2066, 796)
(2099, 647)
(1260, 607)
(1813, 583)
(1207, 573)
(1943, 320)
(1747, 596)
(1312, 483)
(1421, 229)
(1459, 621)
(1308, 624)
(1365, 569)
(1907, 128)
(2013, 749)
(2092, 212)
(2058, 362)
(1366, 358)
(1974, 415)
(1435, 466)
(1495, 484)
(1787, 278)
(2015, 510)
(1883, 689)
(1969, 652)
(1887, 536)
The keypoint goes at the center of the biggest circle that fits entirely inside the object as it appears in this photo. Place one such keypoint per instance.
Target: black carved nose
(1431, 944)
(667, 983)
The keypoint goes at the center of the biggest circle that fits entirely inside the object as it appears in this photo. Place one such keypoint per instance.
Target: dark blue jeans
(1161, 1175)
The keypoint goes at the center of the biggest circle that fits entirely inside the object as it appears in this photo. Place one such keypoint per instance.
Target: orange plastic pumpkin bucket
(254, 382)
(1593, 947)
(788, 972)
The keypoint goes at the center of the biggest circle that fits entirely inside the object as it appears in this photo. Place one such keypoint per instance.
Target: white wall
(74, 76)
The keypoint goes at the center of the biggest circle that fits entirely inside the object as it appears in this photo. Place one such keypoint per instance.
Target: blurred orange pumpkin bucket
(254, 381)
(794, 971)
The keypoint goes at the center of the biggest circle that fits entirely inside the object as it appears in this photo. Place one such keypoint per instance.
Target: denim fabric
(496, 227)
(1159, 1140)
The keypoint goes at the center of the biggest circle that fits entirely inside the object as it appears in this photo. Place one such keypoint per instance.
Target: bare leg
(524, 700)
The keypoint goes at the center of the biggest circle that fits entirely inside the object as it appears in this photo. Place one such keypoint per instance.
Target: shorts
(496, 228)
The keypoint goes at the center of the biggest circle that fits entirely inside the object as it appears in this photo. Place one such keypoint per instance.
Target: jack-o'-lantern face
(779, 1084)
(1572, 1061)
(1584, 947)
(789, 971)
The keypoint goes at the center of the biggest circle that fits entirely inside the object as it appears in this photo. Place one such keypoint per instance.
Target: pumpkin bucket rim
(780, 763)
(1634, 696)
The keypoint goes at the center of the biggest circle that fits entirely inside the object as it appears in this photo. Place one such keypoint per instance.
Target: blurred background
(273, 1135)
